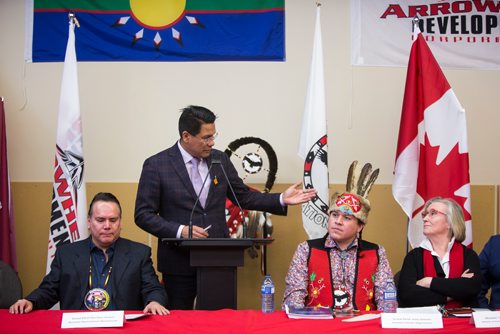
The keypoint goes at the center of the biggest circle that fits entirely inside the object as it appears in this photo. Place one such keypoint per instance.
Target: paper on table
(483, 319)
(462, 315)
(363, 317)
(136, 316)
(92, 319)
(420, 310)
(412, 320)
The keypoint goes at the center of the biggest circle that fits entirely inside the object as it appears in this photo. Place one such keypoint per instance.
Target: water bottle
(390, 304)
(267, 295)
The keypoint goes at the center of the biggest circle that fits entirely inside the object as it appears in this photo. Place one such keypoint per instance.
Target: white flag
(68, 221)
(313, 143)
(432, 157)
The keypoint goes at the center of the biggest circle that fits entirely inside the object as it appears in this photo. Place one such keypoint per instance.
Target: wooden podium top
(218, 242)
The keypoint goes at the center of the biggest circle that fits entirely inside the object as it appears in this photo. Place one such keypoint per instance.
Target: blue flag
(174, 30)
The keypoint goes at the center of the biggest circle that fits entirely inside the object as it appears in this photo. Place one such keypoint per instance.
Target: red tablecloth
(222, 321)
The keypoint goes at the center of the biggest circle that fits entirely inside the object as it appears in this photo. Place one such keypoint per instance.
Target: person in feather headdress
(340, 270)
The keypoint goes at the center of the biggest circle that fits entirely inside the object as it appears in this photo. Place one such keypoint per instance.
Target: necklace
(341, 295)
(97, 299)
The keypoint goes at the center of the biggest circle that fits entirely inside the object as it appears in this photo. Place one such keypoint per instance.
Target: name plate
(92, 319)
(486, 319)
(411, 320)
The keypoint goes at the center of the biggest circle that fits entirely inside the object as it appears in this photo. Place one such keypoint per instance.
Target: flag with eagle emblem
(68, 221)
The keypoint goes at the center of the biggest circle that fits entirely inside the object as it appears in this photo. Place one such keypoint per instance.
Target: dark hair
(193, 117)
(104, 197)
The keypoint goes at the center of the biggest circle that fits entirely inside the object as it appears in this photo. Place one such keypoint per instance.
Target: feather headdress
(354, 200)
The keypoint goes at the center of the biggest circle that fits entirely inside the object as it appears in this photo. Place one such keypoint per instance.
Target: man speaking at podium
(187, 183)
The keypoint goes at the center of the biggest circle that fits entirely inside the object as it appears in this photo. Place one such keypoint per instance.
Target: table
(220, 321)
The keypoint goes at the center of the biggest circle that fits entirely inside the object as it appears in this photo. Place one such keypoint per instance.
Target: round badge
(342, 298)
(97, 299)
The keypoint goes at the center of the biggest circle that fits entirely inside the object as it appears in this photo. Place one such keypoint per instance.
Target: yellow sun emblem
(157, 14)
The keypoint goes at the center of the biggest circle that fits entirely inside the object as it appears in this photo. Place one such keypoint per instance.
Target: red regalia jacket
(319, 269)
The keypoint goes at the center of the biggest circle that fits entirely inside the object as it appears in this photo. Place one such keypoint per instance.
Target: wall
(130, 109)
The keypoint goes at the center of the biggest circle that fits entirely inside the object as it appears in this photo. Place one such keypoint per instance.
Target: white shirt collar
(445, 261)
(426, 244)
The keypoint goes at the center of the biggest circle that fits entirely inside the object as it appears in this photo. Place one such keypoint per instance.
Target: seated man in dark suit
(102, 272)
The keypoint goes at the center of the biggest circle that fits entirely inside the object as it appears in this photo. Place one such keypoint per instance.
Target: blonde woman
(442, 270)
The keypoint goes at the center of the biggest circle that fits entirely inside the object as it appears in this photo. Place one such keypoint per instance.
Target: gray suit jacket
(165, 199)
(133, 279)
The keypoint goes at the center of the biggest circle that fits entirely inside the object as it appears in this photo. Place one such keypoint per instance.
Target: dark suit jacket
(165, 199)
(134, 280)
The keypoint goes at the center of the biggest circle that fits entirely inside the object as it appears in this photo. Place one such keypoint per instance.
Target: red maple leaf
(444, 179)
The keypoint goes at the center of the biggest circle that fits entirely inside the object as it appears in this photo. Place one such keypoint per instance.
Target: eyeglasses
(209, 139)
(432, 213)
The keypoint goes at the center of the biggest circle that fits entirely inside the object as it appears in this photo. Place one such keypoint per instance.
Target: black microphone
(214, 161)
(245, 224)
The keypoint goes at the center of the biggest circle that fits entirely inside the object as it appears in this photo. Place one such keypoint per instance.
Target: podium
(216, 261)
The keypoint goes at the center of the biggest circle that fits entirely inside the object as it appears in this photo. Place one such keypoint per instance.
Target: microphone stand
(244, 221)
(190, 233)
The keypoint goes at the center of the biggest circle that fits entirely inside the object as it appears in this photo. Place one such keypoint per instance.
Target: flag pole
(415, 21)
(313, 140)
(414, 24)
(69, 207)
(73, 19)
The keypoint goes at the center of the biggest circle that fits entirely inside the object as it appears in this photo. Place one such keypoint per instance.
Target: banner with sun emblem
(158, 30)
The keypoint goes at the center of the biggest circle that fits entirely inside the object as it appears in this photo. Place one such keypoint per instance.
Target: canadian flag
(432, 157)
